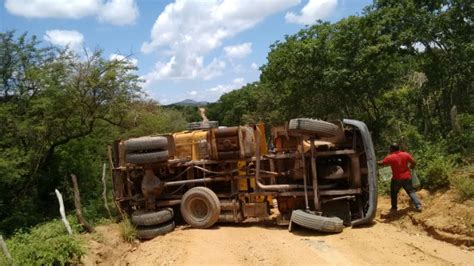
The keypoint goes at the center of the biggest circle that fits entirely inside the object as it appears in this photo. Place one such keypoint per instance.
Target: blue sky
(183, 49)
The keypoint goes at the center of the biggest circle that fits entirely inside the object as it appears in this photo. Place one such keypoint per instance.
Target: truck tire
(200, 207)
(149, 232)
(152, 218)
(149, 157)
(146, 143)
(316, 222)
(313, 127)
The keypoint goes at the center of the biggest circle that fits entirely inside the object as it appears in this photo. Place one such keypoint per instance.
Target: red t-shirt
(398, 161)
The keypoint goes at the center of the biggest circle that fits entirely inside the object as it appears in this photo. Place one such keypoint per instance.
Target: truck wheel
(149, 157)
(313, 126)
(316, 222)
(200, 207)
(152, 218)
(146, 143)
(149, 232)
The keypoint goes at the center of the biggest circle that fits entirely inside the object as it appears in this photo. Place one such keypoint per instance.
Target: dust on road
(262, 244)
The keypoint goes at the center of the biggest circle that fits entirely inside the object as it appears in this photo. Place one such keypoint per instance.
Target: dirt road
(261, 244)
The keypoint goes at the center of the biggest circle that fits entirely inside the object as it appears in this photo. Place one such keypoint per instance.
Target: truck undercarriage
(323, 174)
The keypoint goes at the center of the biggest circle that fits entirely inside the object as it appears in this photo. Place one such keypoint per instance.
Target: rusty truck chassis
(261, 170)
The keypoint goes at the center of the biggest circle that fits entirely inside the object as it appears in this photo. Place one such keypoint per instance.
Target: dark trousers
(395, 186)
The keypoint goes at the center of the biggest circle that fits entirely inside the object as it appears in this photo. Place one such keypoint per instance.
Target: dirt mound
(443, 216)
(106, 246)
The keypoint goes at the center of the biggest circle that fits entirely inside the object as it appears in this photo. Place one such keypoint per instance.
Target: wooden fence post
(77, 203)
(5, 251)
(104, 193)
(63, 212)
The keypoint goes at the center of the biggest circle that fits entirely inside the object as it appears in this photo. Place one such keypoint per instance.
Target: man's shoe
(418, 209)
(392, 210)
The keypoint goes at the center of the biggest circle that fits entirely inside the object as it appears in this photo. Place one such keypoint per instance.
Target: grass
(45, 244)
(129, 232)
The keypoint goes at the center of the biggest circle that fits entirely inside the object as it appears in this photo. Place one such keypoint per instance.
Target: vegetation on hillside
(59, 111)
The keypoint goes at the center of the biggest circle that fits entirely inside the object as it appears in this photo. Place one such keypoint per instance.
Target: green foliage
(129, 232)
(59, 112)
(190, 113)
(383, 180)
(435, 173)
(463, 181)
(462, 142)
(238, 107)
(45, 244)
(464, 184)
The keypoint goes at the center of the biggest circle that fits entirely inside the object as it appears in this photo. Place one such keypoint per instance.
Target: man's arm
(384, 162)
(411, 161)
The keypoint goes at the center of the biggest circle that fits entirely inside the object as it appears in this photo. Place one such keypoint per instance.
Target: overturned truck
(316, 174)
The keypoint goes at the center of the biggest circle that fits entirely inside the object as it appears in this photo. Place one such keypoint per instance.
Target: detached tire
(149, 157)
(146, 143)
(200, 207)
(145, 233)
(316, 222)
(152, 218)
(314, 127)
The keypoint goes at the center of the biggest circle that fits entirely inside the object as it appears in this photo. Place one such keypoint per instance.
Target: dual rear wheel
(152, 224)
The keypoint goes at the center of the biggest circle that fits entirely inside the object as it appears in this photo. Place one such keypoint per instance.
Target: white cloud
(239, 81)
(120, 57)
(254, 66)
(213, 94)
(116, 12)
(71, 38)
(238, 51)
(192, 93)
(190, 30)
(119, 12)
(314, 10)
(192, 69)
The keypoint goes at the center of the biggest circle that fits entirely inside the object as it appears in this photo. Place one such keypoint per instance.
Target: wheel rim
(199, 209)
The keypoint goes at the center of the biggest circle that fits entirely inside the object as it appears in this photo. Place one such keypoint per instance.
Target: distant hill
(189, 102)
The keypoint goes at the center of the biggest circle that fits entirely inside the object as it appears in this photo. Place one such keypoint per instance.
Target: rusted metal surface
(317, 204)
(195, 181)
(355, 169)
(151, 187)
(305, 180)
(258, 210)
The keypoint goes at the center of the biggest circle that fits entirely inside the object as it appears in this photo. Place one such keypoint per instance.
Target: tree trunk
(77, 203)
(454, 120)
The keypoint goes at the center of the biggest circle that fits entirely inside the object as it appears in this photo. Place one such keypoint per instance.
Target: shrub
(129, 232)
(435, 173)
(45, 244)
(465, 187)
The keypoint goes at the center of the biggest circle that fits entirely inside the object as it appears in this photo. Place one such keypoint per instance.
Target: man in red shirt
(400, 162)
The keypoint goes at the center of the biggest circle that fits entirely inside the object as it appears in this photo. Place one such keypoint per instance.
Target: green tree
(50, 97)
